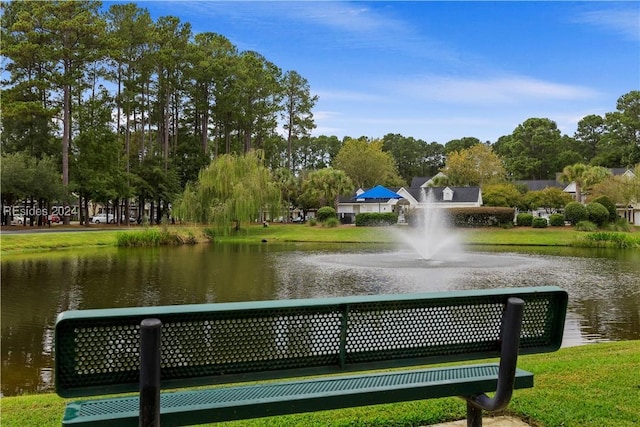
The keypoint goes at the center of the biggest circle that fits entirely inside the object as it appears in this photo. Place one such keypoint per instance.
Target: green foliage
(620, 224)
(532, 150)
(597, 213)
(550, 199)
(477, 165)
(24, 176)
(325, 212)
(584, 177)
(539, 222)
(331, 222)
(323, 187)
(233, 188)
(209, 232)
(575, 212)
(607, 203)
(155, 237)
(414, 157)
(313, 222)
(613, 240)
(366, 164)
(481, 217)
(556, 220)
(524, 219)
(298, 103)
(503, 194)
(586, 226)
(376, 219)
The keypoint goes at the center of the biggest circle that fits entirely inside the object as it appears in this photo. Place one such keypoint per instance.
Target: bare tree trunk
(66, 143)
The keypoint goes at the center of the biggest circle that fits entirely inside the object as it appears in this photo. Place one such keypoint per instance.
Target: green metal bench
(146, 349)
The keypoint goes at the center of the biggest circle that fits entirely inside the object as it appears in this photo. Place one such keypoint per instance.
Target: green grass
(521, 236)
(587, 386)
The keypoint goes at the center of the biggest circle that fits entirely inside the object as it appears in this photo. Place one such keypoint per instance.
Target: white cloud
(347, 95)
(490, 91)
(621, 21)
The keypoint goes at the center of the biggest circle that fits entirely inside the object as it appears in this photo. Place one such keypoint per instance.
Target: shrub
(331, 222)
(209, 232)
(586, 226)
(524, 219)
(313, 222)
(597, 213)
(607, 203)
(326, 212)
(481, 217)
(575, 212)
(621, 224)
(556, 220)
(539, 222)
(375, 219)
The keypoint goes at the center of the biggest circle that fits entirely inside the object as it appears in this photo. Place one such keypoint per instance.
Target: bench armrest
(511, 325)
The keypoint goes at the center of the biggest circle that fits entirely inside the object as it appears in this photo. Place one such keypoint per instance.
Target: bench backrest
(98, 351)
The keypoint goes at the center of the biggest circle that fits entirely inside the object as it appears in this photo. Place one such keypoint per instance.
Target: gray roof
(460, 194)
(618, 171)
(417, 181)
(540, 184)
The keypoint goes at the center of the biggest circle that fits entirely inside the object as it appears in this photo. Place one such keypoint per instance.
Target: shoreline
(42, 240)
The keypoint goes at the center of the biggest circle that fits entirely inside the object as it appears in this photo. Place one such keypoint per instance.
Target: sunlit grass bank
(152, 236)
(587, 386)
(161, 237)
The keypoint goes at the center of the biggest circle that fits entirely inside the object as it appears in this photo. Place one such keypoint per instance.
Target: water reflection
(604, 286)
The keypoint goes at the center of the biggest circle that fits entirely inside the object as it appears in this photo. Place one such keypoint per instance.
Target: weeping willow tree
(233, 189)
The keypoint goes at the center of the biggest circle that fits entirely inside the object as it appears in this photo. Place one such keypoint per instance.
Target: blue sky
(437, 70)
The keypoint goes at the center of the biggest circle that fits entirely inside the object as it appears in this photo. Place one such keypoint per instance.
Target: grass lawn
(588, 386)
(107, 236)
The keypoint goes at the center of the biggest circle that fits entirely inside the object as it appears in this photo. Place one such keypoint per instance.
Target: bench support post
(510, 334)
(150, 332)
(474, 415)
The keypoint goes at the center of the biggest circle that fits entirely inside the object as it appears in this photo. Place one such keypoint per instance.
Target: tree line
(122, 107)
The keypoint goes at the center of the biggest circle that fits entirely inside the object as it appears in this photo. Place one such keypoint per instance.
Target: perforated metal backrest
(97, 351)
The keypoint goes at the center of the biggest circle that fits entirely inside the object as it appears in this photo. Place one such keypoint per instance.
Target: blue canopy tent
(378, 193)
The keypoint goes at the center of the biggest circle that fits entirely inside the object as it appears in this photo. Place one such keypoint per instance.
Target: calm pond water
(603, 285)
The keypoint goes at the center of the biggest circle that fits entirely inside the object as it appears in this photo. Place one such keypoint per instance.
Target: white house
(419, 195)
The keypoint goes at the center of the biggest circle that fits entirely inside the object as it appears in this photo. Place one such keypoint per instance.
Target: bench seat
(262, 400)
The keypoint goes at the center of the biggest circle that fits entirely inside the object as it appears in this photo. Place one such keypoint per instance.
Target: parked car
(18, 220)
(132, 219)
(54, 218)
(102, 219)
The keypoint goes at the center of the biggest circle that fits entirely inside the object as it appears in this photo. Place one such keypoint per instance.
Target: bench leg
(150, 333)
(474, 415)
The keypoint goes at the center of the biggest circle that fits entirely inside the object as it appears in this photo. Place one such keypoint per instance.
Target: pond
(603, 285)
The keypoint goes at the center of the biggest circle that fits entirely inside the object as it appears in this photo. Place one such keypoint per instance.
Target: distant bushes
(524, 219)
(586, 226)
(575, 212)
(331, 222)
(486, 216)
(597, 213)
(539, 222)
(325, 212)
(375, 219)
(556, 220)
(609, 205)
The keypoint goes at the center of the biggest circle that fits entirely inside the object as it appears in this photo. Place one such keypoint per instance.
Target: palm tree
(583, 176)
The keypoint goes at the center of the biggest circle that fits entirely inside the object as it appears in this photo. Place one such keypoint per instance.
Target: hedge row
(375, 219)
(486, 216)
